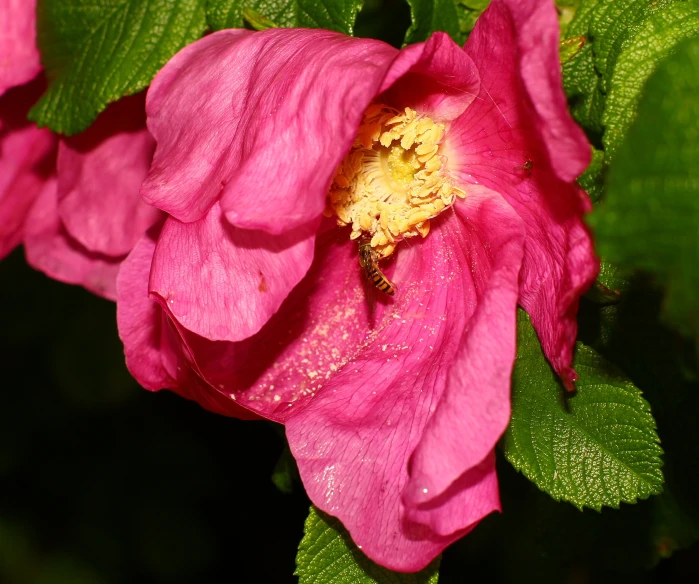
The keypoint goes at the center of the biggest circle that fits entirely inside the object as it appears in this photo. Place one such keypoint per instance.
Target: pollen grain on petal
(393, 180)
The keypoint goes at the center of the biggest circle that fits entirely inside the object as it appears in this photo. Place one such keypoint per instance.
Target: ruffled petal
(434, 77)
(153, 350)
(27, 158)
(99, 175)
(530, 153)
(19, 57)
(50, 249)
(356, 381)
(222, 282)
(521, 75)
(474, 410)
(475, 490)
(140, 320)
(262, 118)
(420, 372)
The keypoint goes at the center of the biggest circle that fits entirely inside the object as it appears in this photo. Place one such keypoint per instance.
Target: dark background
(104, 482)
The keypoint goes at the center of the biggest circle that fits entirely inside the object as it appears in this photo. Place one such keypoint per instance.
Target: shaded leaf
(336, 15)
(327, 555)
(650, 216)
(597, 448)
(97, 52)
(455, 17)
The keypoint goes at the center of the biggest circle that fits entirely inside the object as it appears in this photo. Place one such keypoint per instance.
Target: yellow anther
(417, 217)
(365, 222)
(394, 180)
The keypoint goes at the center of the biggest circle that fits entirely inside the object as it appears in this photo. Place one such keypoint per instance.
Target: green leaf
(592, 180)
(660, 33)
(580, 79)
(327, 555)
(596, 448)
(285, 472)
(566, 12)
(428, 16)
(338, 15)
(631, 335)
(568, 48)
(650, 216)
(95, 52)
(455, 17)
(626, 41)
(257, 21)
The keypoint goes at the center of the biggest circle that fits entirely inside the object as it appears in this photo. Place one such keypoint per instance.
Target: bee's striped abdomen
(380, 281)
(369, 262)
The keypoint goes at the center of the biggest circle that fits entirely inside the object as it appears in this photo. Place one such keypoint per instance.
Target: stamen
(393, 180)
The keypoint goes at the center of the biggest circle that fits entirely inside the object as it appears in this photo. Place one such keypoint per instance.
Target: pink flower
(247, 300)
(26, 152)
(27, 158)
(19, 57)
(88, 218)
(78, 215)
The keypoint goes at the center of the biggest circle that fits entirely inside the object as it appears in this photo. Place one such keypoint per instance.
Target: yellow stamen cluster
(394, 180)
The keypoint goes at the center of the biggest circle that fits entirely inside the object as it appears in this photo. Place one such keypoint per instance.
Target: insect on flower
(368, 260)
(525, 168)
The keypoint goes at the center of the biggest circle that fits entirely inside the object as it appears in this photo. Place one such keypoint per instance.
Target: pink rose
(27, 159)
(78, 215)
(458, 166)
(26, 152)
(90, 215)
(19, 57)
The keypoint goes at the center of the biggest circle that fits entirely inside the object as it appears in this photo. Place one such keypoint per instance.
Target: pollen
(394, 180)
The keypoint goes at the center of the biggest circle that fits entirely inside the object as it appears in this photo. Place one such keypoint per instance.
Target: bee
(369, 261)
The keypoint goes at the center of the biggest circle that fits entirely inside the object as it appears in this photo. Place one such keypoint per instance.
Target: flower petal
(281, 365)
(99, 175)
(435, 77)
(264, 118)
(222, 282)
(474, 409)
(530, 153)
(356, 384)
(19, 57)
(50, 249)
(153, 350)
(418, 374)
(521, 74)
(27, 157)
(140, 319)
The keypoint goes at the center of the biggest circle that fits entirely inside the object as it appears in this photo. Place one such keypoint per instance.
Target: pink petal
(27, 156)
(222, 282)
(434, 77)
(99, 175)
(356, 385)
(139, 319)
(474, 410)
(262, 118)
(19, 57)
(523, 69)
(50, 249)
(154, 353)
(428, 364)
(504, 142)
(282, 364)
(282, 124)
